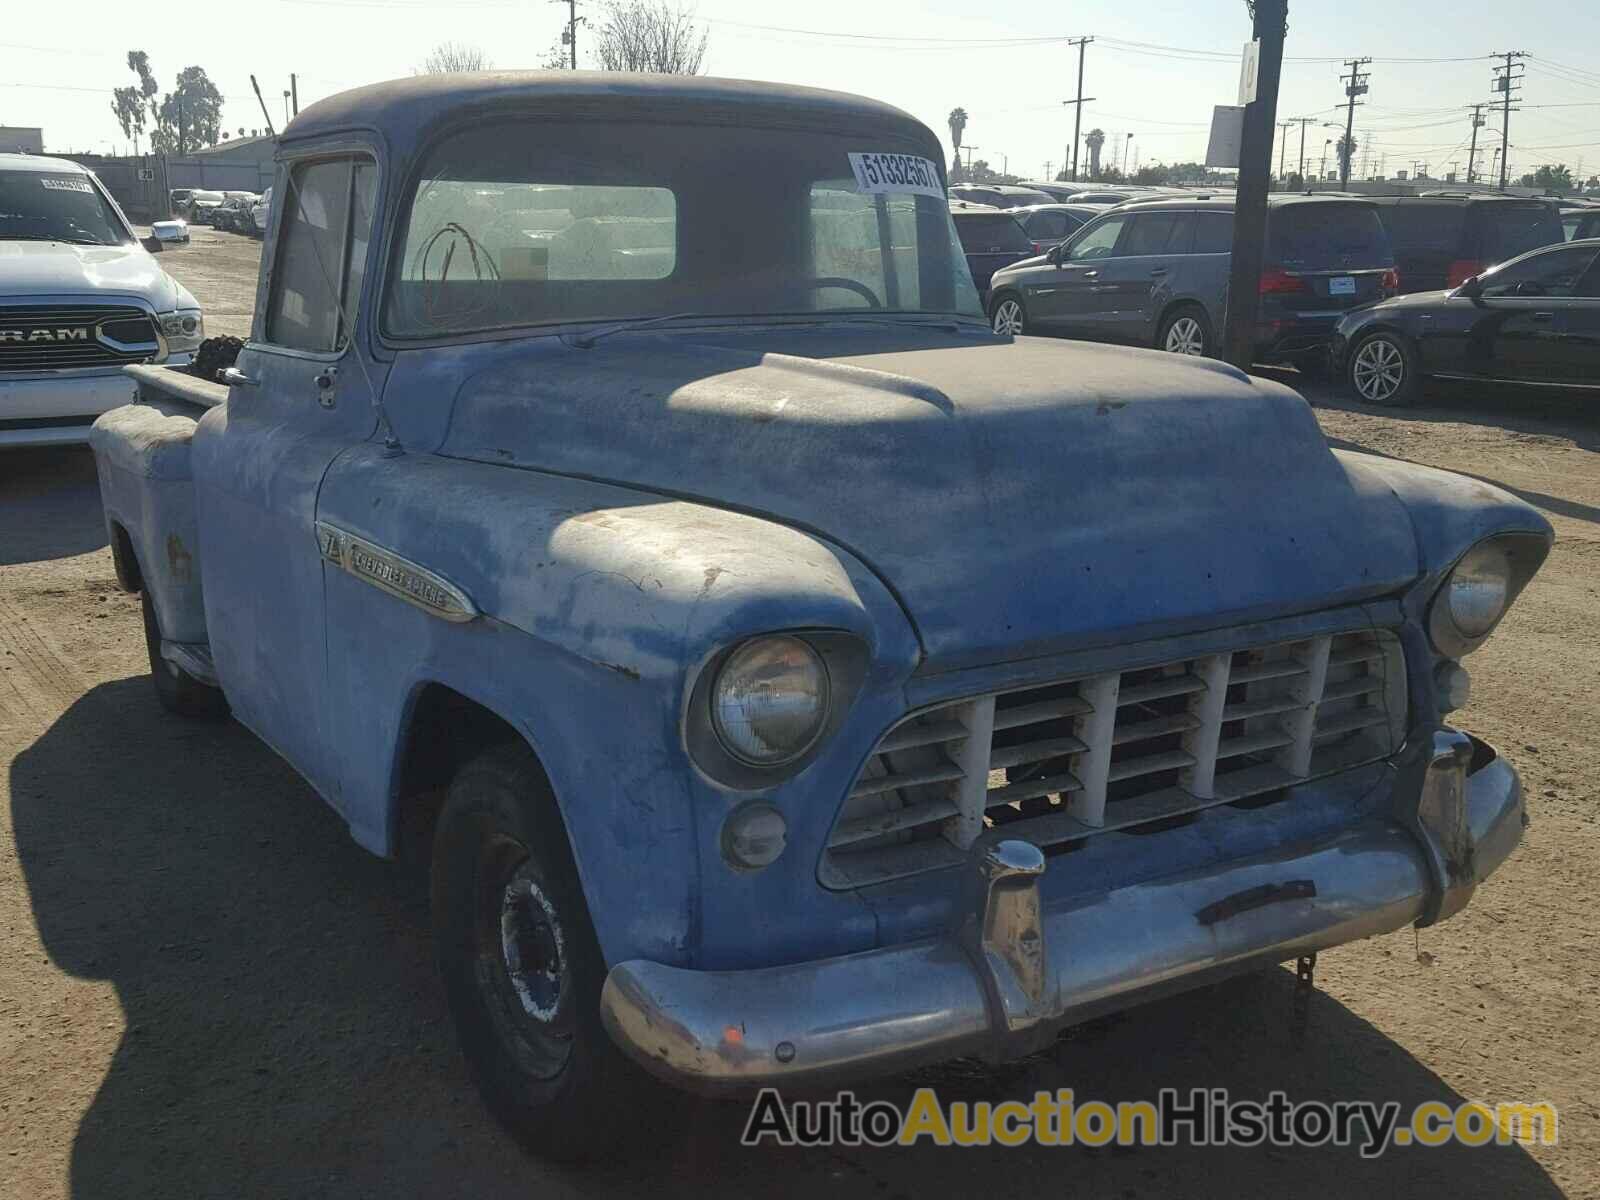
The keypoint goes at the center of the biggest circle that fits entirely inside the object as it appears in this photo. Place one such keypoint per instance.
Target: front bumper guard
(1012, 974)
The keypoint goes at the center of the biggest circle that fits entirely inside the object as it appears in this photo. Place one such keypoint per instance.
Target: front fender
(598, 606)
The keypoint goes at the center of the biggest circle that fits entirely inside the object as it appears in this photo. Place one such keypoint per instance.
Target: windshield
(39, 206)
(1327, 237)
(606, 221)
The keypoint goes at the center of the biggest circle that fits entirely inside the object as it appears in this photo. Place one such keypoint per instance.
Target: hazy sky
(1156, 70)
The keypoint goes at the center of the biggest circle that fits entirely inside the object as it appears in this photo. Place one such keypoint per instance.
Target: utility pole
(1355, 85)
(569, 36)
(1077, 105)
(1302, 122)
(294, 94)
(1507, 80)
(1128, 145)
(1477, 124)
(1283, 146)
(1271, 19)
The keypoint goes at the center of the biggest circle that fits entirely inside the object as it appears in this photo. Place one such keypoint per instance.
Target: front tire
(1383, 370)
(1186, 331)
(177, 690)
(522, 968)
(1007, 317)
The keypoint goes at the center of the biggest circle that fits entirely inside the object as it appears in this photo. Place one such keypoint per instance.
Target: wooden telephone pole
(1250, 200)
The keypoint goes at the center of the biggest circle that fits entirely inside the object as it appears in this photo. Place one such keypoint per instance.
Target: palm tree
(1094, 139)
(958, 126)
(1346, 150)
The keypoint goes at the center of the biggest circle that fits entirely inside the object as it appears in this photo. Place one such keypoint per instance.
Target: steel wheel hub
(531, 946)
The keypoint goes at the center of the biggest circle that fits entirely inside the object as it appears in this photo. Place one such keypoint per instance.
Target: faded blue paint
(973, 510)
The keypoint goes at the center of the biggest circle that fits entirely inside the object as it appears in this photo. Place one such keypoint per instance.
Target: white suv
(80, 297)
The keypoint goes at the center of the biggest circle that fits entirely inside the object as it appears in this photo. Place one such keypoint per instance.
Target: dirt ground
(207, 990)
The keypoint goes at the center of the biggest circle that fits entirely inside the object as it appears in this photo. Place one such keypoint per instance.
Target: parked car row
(1154, 270)
(234, 210)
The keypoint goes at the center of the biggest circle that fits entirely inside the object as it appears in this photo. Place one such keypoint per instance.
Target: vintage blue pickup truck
(623, 501)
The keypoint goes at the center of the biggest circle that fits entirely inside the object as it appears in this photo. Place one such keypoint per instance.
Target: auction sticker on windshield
(896, 173)
(64, 185)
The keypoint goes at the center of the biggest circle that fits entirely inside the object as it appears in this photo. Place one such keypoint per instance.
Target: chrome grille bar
(1114, 751)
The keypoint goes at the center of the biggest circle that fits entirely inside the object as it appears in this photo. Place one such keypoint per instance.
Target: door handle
(1091, 274)
(1544, 316)
(234, 377)
(1158, 271)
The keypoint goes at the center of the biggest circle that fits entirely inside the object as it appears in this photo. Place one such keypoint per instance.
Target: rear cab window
(1327, 237)
(1425, 228)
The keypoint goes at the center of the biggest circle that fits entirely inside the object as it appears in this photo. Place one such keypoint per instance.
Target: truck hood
(39, 269)
(1019, 498)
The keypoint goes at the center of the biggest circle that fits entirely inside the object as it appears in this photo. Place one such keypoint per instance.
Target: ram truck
(80, 297)
(623, 503)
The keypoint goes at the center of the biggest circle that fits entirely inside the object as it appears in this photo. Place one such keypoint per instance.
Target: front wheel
(522, 967)
(1008, 317)
(1384, 370)
(1186, 331)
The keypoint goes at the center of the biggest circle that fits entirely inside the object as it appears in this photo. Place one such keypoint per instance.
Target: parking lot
(207, 989)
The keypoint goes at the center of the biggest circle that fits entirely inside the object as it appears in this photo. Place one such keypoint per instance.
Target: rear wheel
(1186, 331)
(522, 968)
(1384, 370)
(178, 691)
(1008, 317)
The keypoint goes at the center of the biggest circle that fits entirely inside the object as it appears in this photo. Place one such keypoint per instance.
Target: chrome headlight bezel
(1488, 578)
(182, 329)
(843, 661)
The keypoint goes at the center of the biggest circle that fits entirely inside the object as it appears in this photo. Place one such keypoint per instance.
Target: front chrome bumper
(1011, 975)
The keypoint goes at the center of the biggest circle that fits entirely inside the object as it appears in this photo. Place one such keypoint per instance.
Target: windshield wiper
(586, 341)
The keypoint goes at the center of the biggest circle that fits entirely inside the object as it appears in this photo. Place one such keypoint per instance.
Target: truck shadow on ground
(51, 501)
(285, 1034)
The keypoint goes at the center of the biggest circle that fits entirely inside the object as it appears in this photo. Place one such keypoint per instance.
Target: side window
(1099, 241)
(322, 253)
(1148, 234)
(1553, 274)
(1213, 233)
(1182, 235)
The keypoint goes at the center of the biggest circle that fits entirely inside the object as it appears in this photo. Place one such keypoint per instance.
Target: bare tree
(649, 35)
(454, 56)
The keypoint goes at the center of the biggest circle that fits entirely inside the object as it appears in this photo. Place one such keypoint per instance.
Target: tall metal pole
(1250, 199)
(1283, 146)
(1304, 121)
(572, 30)
(294, 93)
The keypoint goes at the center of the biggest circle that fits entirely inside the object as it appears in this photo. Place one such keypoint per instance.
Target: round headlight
(770, 700)
(1478, 590)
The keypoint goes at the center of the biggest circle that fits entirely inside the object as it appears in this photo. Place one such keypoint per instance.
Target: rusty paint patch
(179, 561)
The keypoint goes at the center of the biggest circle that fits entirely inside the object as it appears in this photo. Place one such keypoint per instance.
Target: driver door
(1077, 298)
(299, 398)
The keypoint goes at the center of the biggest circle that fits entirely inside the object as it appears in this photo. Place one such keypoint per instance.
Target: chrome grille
(61, 337)
(1057, 763)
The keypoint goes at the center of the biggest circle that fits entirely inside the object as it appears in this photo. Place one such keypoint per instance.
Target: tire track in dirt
(37, 681)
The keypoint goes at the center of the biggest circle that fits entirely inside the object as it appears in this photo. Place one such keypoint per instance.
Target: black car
(1440, 239)
(991, 238)
(1535, 319)
(1047, 224)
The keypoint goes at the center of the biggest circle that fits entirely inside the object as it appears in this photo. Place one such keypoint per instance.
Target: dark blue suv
(1155, 273)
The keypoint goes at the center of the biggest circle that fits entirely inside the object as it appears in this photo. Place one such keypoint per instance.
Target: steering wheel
(849, 285)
